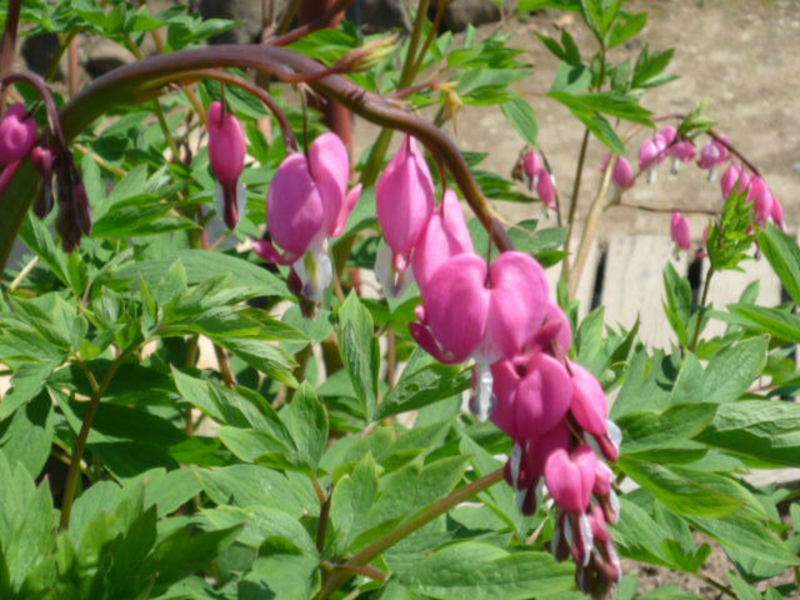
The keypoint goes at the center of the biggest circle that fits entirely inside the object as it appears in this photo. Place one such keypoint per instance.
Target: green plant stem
(573, 203)
(716, 584)
(703, 300)
(63, 45)
(9, 42)
(343, 573)
(378, 153)
(589, 231)
(80, 444)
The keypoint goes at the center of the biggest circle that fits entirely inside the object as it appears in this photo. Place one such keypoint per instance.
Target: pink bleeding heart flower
(472, 311)
(308, 203)
(761, 198)
(569, 477)
(405, 200)
(680, 232)
(651, 154)
(732, 176)
(682, 152)
(604, 493)
(445, 236)
(777, 213)
(17, 134)
(226, 153)
(668, 135)
(531, 399)
(546, 189)
(713, 154)
(531, 166)
(589, 404)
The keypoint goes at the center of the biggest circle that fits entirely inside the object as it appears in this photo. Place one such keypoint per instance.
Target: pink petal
(589, 403)
(457, 304)
(518, 301)
(405, 199)
(505, 382)
(226, 145)
(330, 170)
(543, 396)
(445, 236)
(295, 210)
(679, 231)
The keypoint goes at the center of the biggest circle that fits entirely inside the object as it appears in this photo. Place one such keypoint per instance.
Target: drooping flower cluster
(500, 317)
(308, 202)
(536, 175)
(766, 207)
(17, 138)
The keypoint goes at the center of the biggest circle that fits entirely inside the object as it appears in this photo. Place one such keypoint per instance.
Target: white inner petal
(586, 537)
(315, 271)
(219, 201)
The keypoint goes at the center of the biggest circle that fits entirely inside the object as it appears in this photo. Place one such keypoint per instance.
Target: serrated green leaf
(357, 347)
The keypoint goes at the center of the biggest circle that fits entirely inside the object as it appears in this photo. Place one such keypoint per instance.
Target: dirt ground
(743, 55)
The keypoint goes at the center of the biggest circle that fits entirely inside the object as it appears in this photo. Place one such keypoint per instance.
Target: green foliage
(242, 444)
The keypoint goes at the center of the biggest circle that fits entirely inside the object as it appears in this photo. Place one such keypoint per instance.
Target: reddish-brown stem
(732, 149)
(149, 75)
(656, 209)
(9, 43)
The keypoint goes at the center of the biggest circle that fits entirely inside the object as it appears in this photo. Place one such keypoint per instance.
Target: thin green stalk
(589, 231)
(9, 42)
(703, 300)
(80, 444)
(573, 203)
(343, 573)
(378, 153)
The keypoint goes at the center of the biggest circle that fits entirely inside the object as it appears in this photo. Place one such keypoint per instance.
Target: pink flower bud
(546, 189)
(405, 200)
(734, 174)
(679, 231)
(684, 151)
(709, 156)
(589, 404)
(226, 152)
(307, 203)
(444, 236)
(531, 164)
(761, 198)
(17, 134)
(623, 174)
(777, 213)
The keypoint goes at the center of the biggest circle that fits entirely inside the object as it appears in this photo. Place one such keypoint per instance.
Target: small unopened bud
(367, 56)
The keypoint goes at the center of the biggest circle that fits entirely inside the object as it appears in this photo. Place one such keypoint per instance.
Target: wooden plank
(727, 287)
(633, 285)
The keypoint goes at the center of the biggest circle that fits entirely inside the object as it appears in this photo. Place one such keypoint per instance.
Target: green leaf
(688, 491)
(649, 66)
(778, 322)
(609, 103)
(282, 577)
(768, 430)
(479, 571)
(420, 387)
(359, 352)
(626, 28)
(783, 253)
(203, 264)
(28, 381)
(747, 535)
(263, 356)
(29, 437)
(678, 302)
(669, 429)
(308, 424)
(731, 372)
(352, 498)
(519, 113)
